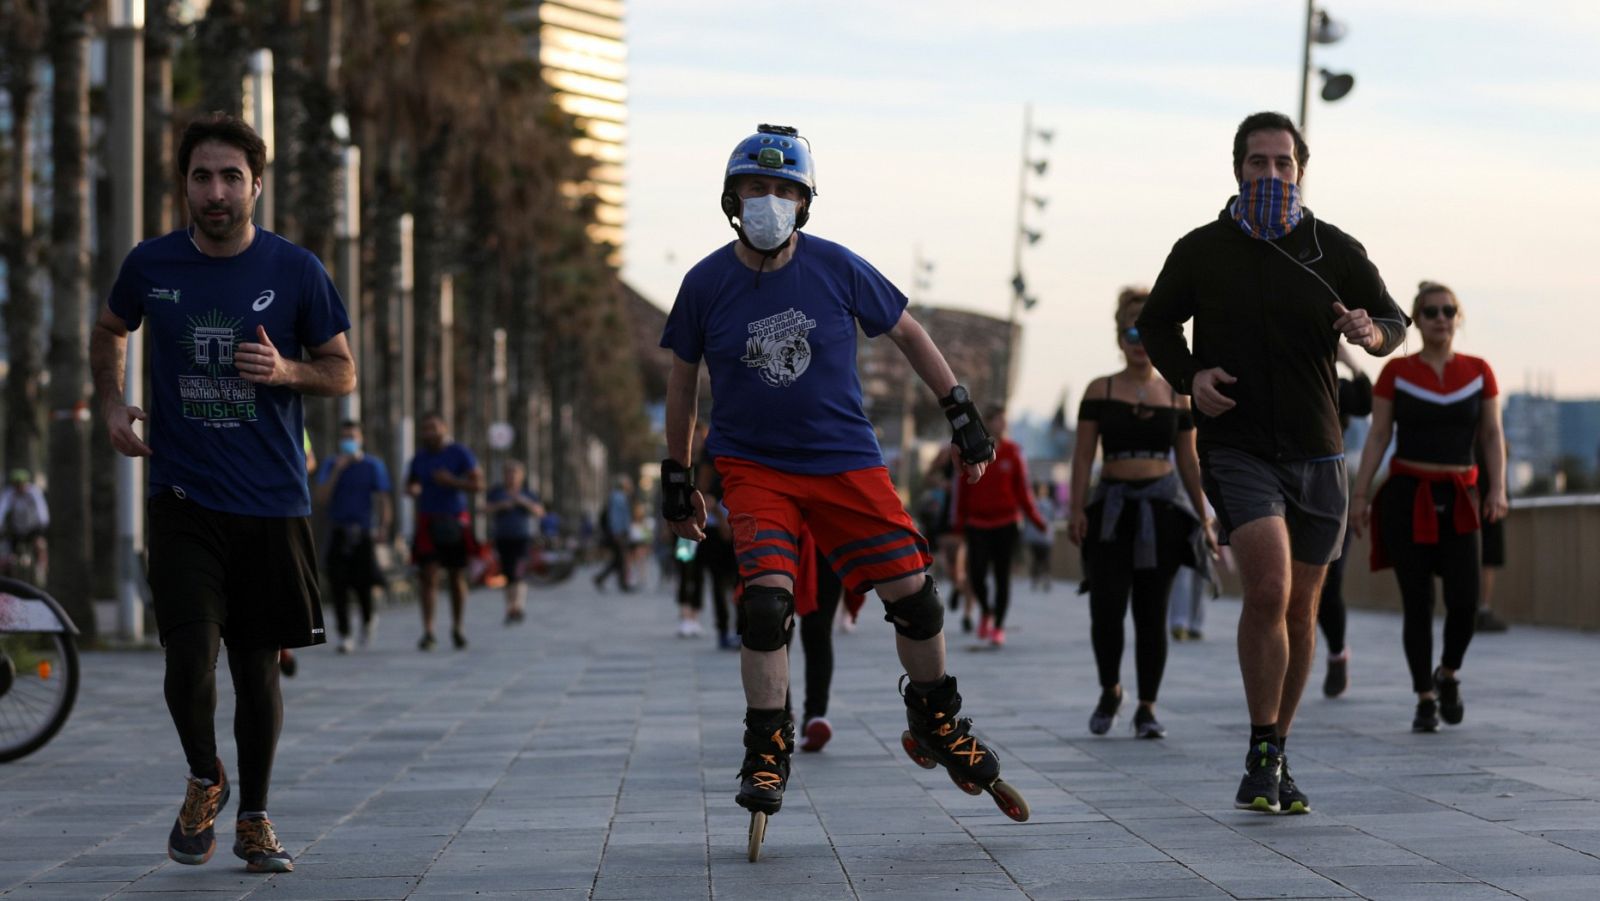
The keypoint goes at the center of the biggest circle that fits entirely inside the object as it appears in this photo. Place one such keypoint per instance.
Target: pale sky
(1468, 153)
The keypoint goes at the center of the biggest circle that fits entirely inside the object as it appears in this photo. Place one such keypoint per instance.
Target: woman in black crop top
(1425, 520)
(1140, 525)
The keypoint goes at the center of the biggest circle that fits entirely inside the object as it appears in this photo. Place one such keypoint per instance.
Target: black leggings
(1115, 580)
(1454, 560)
(1331, 614)
(986, 547)
(351, 570)
(191, 690)
(816, 639)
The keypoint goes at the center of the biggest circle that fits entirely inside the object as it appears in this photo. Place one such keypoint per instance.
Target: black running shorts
(254, 576)
(1311, 496)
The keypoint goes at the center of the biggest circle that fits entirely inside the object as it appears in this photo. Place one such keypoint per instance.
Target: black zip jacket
(1262, 315)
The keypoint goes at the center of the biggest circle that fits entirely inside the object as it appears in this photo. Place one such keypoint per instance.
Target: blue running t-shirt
(436, 499)
(782, 354)
(223, 442)
(351, 503)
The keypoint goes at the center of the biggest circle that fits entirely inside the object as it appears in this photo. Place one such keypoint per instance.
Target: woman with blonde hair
(1141, 523)
(1425, 521)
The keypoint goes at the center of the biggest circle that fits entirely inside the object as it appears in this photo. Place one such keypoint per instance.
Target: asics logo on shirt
(264, 301)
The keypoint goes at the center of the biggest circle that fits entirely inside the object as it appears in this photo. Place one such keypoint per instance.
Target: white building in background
(583, 55)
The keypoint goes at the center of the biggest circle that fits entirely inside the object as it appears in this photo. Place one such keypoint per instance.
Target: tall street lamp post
(1321, 28)
(1020, 298)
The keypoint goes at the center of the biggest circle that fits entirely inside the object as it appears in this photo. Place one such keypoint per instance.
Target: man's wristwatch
(957, 395)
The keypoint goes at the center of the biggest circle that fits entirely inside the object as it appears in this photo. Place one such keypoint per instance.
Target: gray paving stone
(576, 761)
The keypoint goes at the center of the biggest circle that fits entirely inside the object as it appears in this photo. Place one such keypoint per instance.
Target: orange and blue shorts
(859, 524)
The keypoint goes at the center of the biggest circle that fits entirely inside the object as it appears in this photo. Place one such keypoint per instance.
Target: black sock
(929, 687)
(1283, 740)
(1263, 733)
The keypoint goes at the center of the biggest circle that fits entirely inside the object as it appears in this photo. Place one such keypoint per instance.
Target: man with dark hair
(231, 309)
(354, 488)
(1271, 290)
(441, 476)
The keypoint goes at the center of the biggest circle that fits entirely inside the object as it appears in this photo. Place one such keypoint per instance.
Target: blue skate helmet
(776, 150)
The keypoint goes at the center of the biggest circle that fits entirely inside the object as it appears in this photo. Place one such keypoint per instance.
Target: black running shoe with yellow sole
(1263, 774)
(1290, 798)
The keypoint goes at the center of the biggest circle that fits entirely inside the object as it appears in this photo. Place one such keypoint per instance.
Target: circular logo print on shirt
(264, 301)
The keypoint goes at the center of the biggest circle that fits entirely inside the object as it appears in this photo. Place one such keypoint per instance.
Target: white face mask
(768, 221)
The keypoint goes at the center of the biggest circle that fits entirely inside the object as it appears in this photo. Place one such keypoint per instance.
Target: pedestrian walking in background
(1440, 405)
(442, 476)
(1271, 290)
(354, 490)
(987, 514)
(936, 516)
(616, 521)
(1355, 404)
(513, 513)
(1143, 520)
(229, 309)
(1040, 541)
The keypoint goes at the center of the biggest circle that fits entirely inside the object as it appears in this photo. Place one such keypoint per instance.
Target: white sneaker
(685, 628)
(347, 645)
(367, 630)
(694, 628)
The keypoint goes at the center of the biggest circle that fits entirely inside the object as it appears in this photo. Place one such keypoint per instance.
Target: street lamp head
(1032, 236)
(1046, 134)
(1329, 30)
(1336, 84)
(1040, 202)
(1039, 166)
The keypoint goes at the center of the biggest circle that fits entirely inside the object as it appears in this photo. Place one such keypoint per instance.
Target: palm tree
(70, 299)
(22, 24)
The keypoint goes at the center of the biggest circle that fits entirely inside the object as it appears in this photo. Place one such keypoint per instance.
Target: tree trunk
(428, 208)
(71, 559)
(224, 44)
(160, 179)
(24, 313)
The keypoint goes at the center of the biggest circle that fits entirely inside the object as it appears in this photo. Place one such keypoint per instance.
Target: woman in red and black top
(1140, 525)
(1439, 404)
(986, 514)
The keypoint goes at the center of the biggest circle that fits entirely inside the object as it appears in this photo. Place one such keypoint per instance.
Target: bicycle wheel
(38, 668)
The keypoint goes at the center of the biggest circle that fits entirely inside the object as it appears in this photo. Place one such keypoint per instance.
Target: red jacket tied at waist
(1424, 518)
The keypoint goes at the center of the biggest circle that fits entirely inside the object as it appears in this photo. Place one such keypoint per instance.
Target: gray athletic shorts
(1312, 497)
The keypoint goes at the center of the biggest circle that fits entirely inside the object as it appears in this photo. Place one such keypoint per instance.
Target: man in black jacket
(1271, 290)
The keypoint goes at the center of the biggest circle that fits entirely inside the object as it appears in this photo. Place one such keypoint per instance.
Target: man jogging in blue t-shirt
(774, 316)
(229, 309)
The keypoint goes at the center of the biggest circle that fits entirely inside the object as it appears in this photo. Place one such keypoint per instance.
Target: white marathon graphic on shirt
(213, 392)
(778, 347)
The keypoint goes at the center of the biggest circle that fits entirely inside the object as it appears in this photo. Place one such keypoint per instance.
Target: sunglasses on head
(1447, 311)
(1130, 335)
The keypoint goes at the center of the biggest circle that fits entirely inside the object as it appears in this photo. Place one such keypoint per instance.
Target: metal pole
(1305, 68)
(406, 440)
(258, 112)
(348, 233)
(447, 357)
(125, 139)
(1016, 251)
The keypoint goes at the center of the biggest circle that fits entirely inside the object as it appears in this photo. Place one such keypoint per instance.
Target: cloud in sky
(1469, 151)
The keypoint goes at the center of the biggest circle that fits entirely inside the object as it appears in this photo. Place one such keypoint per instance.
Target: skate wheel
(1010, 801)
(966, 785)
(758, 832)
(915, 752)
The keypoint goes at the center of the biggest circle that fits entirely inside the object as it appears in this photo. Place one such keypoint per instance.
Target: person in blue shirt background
(440, 477)
(355, 490)
(515, 510)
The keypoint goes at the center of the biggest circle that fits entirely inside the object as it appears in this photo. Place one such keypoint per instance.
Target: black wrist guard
(677, 491)
(970, 437)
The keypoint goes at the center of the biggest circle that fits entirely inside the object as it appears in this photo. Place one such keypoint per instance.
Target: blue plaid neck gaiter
(1267, 208)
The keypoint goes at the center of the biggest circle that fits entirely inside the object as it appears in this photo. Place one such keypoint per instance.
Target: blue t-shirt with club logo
(223, 442)
(781, 350)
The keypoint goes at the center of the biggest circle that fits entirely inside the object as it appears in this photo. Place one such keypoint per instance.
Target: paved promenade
(589, 754)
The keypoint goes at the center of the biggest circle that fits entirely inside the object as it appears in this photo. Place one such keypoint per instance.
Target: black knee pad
(768, 617)
(919, 615)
